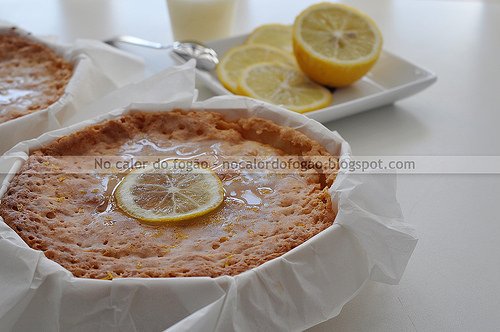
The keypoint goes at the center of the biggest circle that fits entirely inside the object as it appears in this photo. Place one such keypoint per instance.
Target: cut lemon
(277, 35)
(283, 85)
(335, 44)
(169, 194)
(237, 59)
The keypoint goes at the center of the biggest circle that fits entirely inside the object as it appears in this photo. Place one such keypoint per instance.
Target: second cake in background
(32, 76)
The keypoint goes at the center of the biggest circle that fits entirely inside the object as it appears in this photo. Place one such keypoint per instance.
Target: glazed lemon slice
(277, 35)
(335, 44)
(169, 194)
(237, 59)
(283, 85)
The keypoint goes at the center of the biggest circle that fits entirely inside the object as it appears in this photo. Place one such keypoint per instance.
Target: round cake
(32, 76)
(71, 213)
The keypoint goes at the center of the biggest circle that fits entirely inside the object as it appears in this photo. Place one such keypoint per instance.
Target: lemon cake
(122, 224)
(32, 76)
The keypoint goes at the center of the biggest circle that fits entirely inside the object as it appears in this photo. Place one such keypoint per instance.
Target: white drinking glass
(201, 20)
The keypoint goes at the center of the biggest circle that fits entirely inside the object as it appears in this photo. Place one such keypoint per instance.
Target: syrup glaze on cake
(32, 76)
(74, 219)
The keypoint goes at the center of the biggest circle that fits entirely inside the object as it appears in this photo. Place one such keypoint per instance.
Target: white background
(452, 281)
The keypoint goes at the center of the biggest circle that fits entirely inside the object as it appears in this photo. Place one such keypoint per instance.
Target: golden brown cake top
(74, 218)
(32, 76)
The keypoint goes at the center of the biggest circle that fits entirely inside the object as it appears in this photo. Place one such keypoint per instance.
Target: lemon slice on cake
(283, 85)
(237, 59)
(334, 44)
(169, 194)
(277, 35)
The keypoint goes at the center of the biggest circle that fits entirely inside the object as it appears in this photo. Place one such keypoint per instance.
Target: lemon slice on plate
(169, 194)
(335, 44)
(283, 85)
(277, 35)
(237, 59)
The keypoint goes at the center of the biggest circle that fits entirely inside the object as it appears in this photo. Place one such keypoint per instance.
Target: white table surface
(452, 280)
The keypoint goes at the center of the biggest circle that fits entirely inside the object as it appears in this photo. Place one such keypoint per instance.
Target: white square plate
(391, 79)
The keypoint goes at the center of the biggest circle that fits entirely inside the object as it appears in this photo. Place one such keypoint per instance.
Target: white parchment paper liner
(98, 70)
(304, 287)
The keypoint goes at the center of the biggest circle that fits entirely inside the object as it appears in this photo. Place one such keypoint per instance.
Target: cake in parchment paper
(74, 219)
(32, 76)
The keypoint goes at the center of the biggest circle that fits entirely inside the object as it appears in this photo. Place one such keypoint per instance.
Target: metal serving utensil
(206, 58)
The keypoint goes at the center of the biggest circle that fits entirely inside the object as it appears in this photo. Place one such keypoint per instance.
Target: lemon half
(334, 44)
(237, 59)
(169, 194)
(283, 85)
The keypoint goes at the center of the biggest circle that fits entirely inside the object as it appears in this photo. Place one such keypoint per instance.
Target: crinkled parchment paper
(306, 286)
(98, 70)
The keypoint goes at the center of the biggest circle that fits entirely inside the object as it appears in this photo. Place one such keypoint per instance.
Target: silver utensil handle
(137, 42)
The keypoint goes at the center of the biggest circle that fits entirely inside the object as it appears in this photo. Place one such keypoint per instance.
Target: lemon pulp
(277, 35)
(169, 194)
(283, 85)
(236, 60)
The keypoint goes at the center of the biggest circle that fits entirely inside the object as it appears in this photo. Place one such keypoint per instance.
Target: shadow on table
(386, 130)
(375, 308)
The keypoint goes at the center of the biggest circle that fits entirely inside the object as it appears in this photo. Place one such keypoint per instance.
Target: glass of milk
(201, 20)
